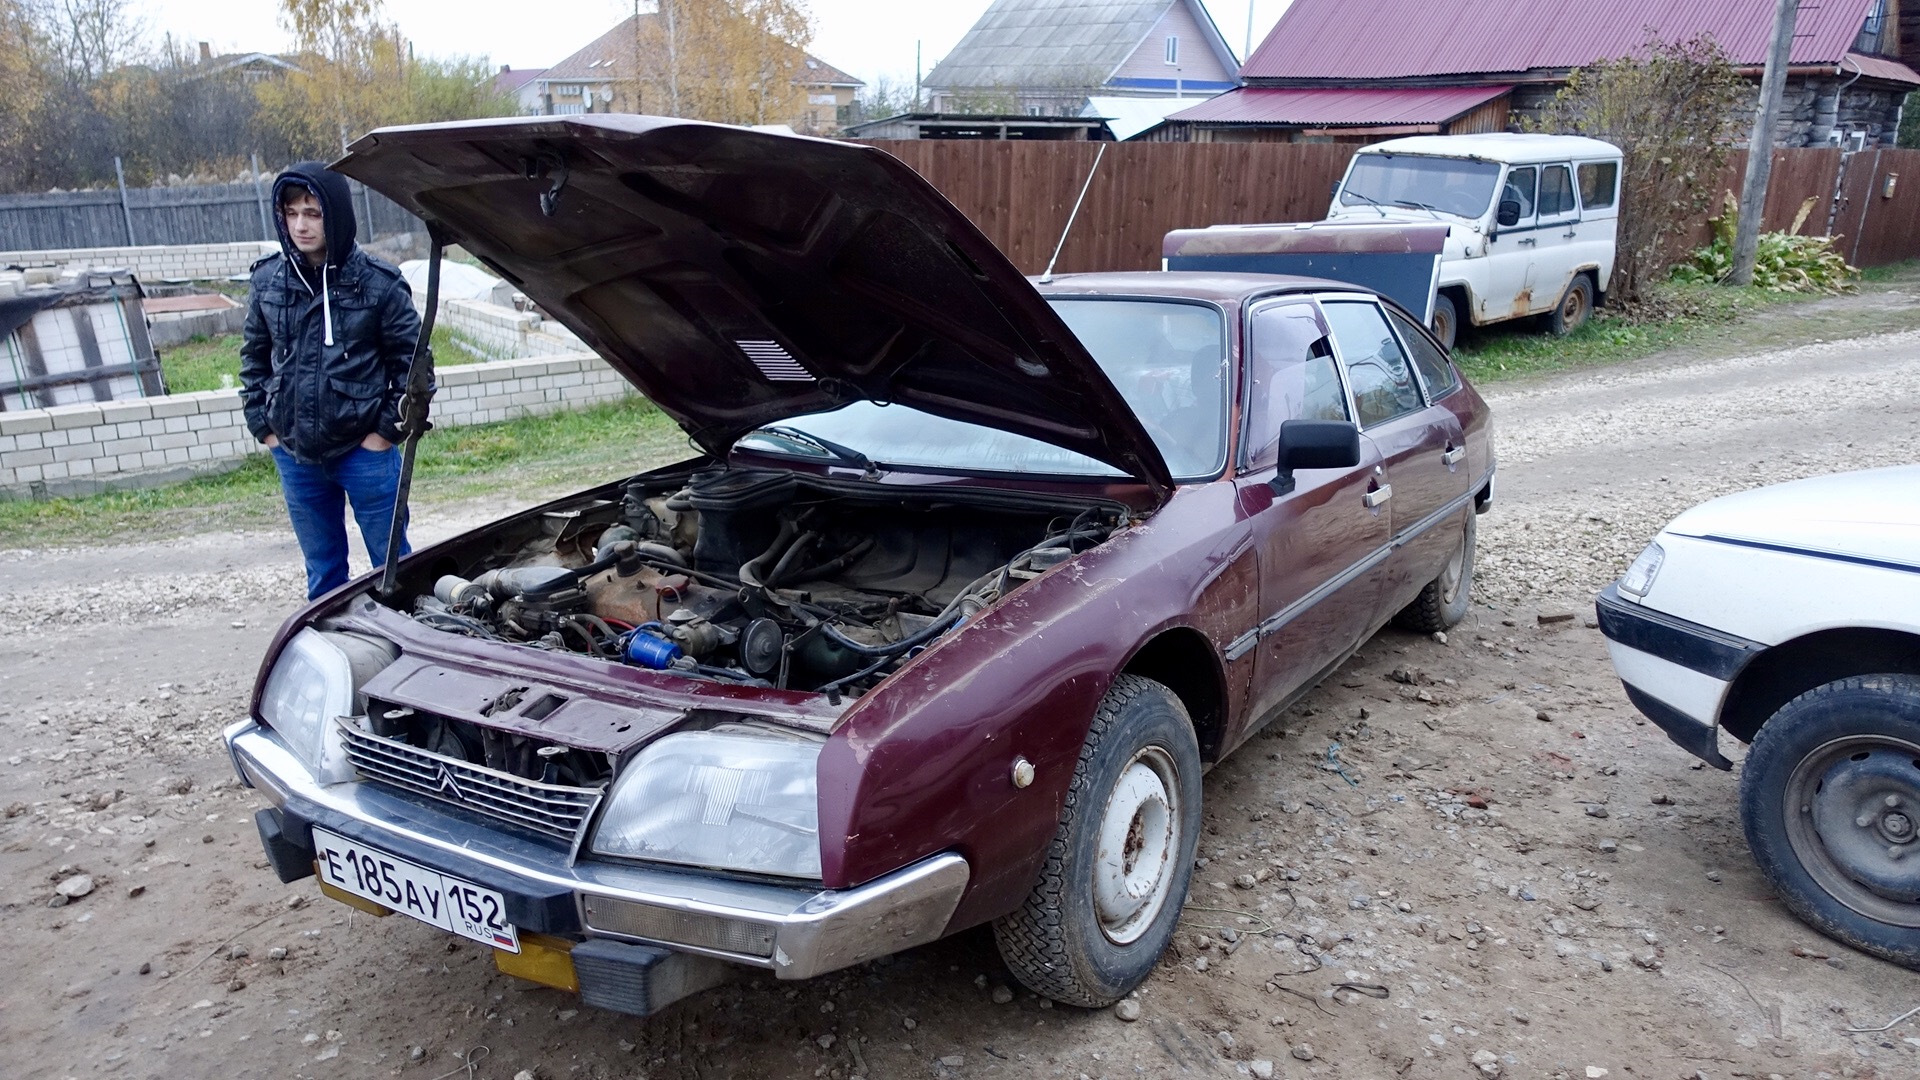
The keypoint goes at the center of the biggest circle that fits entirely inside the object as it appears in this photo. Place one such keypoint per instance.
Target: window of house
(1291, 376)
(1556, 191)
(1873, 33)
(1598, 182)
(1173, 49)
(1377, 368)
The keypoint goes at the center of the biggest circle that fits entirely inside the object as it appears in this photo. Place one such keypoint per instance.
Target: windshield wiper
(1433, 210)
(1364, 197)
(833, 449)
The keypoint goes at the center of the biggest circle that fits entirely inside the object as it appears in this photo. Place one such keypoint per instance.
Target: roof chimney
(206, 53)
(505, 68)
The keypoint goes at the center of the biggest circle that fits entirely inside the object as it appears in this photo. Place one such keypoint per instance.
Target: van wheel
(1830, 799)
(1446, 320)
(1116, 874)
(1575, 305)
(1445, 600)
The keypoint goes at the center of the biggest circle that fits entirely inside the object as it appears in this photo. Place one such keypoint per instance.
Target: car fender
(1712, 582)
(925, 762)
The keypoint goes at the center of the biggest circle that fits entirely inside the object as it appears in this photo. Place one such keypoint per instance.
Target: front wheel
(1830, 799)
(1108, 897)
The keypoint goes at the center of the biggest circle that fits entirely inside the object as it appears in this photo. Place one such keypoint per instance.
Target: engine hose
(575, 577)
(835, 564)
(799, 547)
(660, 553)
(750, 570)
(938, 626)
(832, 689)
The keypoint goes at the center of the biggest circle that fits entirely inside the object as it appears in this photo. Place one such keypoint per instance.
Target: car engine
(758, 577)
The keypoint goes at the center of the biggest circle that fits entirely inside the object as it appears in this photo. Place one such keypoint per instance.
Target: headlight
(727, 799)
(317, 678)
(1639, 576)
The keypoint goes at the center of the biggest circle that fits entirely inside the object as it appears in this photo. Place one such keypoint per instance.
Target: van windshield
(1455, 186)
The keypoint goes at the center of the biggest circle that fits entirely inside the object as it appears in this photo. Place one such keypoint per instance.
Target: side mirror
(1314, 444)
(1509, 213)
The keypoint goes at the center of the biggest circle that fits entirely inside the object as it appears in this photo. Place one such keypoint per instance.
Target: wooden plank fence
(186, 214)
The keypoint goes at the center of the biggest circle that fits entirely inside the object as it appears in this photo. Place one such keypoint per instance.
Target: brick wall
(83, 449)
(500, 332)
(153, 263)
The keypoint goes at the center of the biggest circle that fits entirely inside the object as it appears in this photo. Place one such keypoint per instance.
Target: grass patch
(1693, 315)
(514, 459)
(213, 363)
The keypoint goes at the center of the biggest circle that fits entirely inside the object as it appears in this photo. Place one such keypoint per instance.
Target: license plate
(450, 903)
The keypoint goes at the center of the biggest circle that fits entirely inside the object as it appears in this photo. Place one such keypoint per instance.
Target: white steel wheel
(1134, 869)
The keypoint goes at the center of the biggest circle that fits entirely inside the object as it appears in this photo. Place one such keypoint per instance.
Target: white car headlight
(735, 800)
(316, 678)
(1639, 576)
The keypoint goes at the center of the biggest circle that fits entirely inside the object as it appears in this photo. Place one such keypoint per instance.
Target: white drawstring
(326, 308)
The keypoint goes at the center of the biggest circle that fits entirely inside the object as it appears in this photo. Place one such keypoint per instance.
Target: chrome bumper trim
(815, 930)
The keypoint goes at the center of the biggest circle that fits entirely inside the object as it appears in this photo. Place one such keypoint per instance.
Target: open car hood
(739, 278)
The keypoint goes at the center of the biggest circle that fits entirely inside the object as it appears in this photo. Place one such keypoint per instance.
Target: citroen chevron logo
(448, 786)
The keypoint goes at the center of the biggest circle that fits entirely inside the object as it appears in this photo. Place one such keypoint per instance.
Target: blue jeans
(316, 501)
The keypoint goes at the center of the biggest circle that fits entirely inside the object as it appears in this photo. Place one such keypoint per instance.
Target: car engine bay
(759, 577)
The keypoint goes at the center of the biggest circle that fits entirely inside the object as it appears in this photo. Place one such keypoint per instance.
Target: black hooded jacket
(325, 351)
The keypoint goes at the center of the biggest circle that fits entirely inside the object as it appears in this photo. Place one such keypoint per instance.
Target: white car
(1544, 246)
(1789, 618)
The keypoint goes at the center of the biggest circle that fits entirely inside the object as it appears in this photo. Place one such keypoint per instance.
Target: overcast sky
(869, 38)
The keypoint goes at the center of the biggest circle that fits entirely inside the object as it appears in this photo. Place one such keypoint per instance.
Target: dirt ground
(1539, 884)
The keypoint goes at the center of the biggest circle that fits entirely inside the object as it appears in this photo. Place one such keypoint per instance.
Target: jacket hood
(1873, 514)
(336, 206)
(739, 278)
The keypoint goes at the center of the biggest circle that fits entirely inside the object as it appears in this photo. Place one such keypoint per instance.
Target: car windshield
(1167, 359)
(1450, 185)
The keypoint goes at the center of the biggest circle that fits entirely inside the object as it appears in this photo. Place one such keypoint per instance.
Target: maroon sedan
(970, 583)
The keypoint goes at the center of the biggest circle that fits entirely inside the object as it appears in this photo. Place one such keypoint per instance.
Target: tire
(1575, 305)
(1445, 600)
(1829, 793)
(1092, 929)
(1446, 320)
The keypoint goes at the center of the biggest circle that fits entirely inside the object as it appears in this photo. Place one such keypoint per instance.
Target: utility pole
(1248, 51)
(1753, 191)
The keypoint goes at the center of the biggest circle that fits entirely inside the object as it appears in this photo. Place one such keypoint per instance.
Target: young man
(329, 337)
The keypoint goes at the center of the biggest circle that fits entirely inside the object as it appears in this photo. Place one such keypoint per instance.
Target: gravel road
(1543, 885)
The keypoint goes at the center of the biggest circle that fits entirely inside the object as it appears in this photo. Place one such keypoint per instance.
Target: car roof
(1499, 146)
(1211, 287)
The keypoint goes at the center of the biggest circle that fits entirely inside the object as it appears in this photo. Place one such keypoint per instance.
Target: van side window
(1598, 182)
(1517, 196)
(1427, 358)
(1556, 191)
(1377, 367)
(1290, 376)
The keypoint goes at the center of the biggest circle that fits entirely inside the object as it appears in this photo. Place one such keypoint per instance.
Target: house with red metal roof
(1330, 71)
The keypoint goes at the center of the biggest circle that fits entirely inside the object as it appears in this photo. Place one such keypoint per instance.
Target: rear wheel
(1576, 304)
(1108, 897)
(1830, 799)
(1446, 320)
(1446, 598)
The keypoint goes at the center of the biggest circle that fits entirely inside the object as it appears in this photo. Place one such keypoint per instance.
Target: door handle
(1453, 455)
(1528, 241)
(1568, 235)
(1377, 497)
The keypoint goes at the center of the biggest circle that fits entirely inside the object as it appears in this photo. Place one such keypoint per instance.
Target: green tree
(1675, 111)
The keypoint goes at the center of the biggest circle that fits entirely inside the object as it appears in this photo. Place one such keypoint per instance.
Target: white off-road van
(1531, 220)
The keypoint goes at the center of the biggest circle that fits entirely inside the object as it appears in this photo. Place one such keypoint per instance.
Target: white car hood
(1872, 514)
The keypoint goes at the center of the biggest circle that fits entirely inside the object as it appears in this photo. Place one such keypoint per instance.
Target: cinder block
(54, 470)
(172, 406)
(32, 440)
(77, 452)
(22, 458)
(199, 453)
(129, 430)
(119, 411)
(169, 442)
(176, 455)
(153, 427)
(62, 438)
(153, 459)
(123, 463)
(198, 421)
(81, 467)
(175, 424)
(26, 474)
(73, 416)
(126, 446)
(24, 423)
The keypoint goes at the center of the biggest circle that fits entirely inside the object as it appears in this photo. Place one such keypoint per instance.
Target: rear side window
(1427, 358)
(1556, 191)
(1377, 367)
(1291, 375)
(1598, 182)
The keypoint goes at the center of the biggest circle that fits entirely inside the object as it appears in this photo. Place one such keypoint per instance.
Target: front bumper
(1676, 672)
(795, 931)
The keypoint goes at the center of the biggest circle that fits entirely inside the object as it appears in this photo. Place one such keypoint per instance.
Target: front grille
(553, 809)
